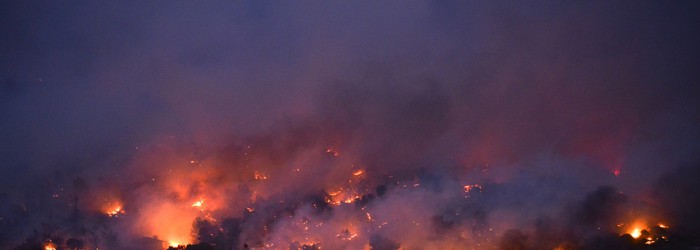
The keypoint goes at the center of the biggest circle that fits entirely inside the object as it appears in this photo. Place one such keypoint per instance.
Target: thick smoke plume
(358, 125)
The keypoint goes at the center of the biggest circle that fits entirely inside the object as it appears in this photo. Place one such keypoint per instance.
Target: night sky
(349, 124)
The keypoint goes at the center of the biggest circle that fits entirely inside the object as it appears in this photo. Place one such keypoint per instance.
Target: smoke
(360, 125)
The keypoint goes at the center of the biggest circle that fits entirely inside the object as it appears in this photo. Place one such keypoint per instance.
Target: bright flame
(198, 203)
(358, 172)
(351, 199)
(639, 229)
(636, 232)
(113, 209)
(49, 246)
(115, 212)
(171, 222)
(342, 196)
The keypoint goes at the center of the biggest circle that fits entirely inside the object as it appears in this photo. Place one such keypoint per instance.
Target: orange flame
(636, 232)
(113, 209)
(169, 221)
(358, 172)
(49, 246)
(468, 188)
(259, 176)
(198, 203)
(116, 211)
(332, 152)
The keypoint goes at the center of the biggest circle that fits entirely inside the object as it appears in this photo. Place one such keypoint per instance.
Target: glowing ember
(342, 196)
(351, 199)
(346, 235)
(332, 152)
(663, 226)
(650, 241)
(358, 172)
(259, 176)
(616, 173)
(469, 188)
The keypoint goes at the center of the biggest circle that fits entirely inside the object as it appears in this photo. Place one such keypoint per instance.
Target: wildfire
(49, 246)
(351, 199)
(173, 244)
(635, 229)
(342, 196)
(115, 212)
(346, 235)
(649, 235)
(113, 209)
(635, 233)
(171, 222)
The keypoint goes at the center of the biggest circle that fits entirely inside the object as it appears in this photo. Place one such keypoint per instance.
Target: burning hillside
(217, 203)
(356, 125)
